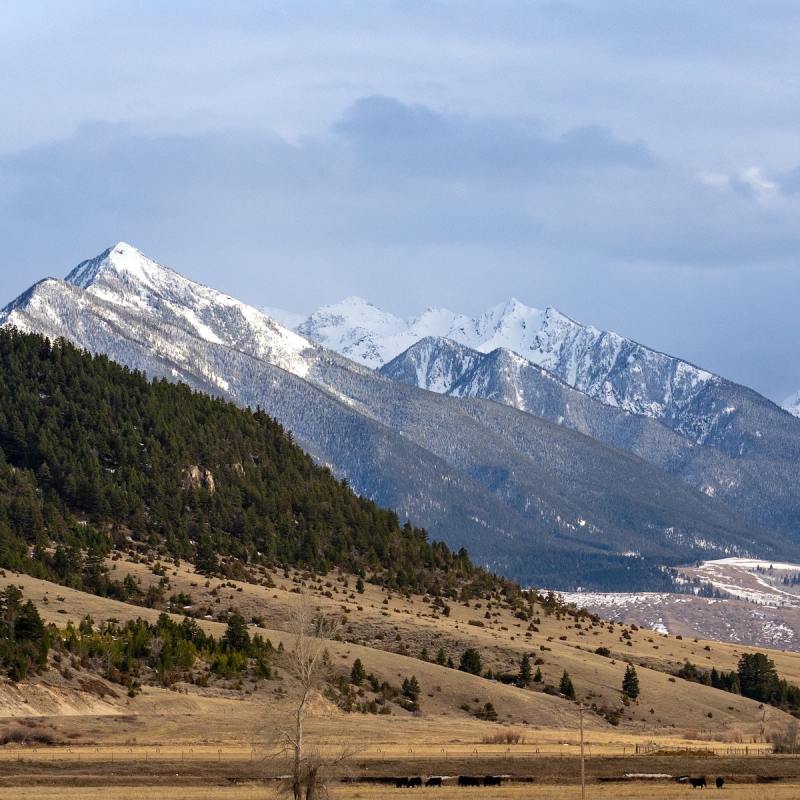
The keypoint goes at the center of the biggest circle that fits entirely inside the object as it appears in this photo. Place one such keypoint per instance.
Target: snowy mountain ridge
(792, 404)
(125, 277)
(604, 365)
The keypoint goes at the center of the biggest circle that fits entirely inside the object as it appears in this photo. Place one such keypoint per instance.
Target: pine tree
(360, 586)
(411, 691)
(757, 677)
(357, 673)
(565, 686)
(470, 661)
(630, 683)
(441, 658)
(537, 678)
(206, 556)
(411, 688)
(236, 636)
(24, 640)
(525, 671)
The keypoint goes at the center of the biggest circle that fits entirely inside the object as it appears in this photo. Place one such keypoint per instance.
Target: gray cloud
(414, 139)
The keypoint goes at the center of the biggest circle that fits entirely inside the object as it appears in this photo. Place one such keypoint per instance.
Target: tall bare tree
(307, 662)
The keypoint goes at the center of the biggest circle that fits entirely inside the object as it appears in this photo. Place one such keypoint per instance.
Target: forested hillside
(92, 454)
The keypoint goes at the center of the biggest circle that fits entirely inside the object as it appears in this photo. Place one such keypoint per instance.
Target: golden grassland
(212, 743)
(388, 632)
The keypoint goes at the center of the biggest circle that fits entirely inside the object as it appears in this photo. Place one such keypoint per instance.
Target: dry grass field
(215, 742)
(515, 792)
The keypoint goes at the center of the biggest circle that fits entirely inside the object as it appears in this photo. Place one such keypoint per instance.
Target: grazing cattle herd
(412, 782)
(700, 782)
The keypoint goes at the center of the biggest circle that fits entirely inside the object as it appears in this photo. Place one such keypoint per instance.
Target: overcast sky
(635, 164)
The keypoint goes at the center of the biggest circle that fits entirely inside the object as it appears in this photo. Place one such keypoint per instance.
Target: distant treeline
(94, 455)
(755, 678)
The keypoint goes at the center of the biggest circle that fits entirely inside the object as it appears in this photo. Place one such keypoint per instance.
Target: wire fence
(378, 752)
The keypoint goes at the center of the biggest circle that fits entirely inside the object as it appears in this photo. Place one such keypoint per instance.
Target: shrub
(487, 712)
(504, 737)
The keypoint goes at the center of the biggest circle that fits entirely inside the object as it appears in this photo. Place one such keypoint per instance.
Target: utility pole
(583, 768)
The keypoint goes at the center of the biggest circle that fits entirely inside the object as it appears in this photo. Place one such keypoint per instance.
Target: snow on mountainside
(366, 334)
(526, 496)
(758, 603)
(747, 456)
(445, 366)
(792, 404)
(125, 277)
(437, 365)
(289, 319)
(358, 330)
(608, 367)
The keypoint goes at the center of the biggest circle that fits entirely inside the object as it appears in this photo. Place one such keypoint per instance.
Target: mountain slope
(792, 404)
(607, 367)
(526, 496)
(84, 438)
(749, 460)
(378, 462)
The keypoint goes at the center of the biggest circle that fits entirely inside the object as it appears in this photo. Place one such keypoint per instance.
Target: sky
(636, 165)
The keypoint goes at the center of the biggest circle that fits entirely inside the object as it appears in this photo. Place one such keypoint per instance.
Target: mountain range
(537, 477)
(604, 365)
(722, 438)
(607, 367)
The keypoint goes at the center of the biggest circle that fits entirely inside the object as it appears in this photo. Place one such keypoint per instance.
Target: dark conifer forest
(93, 455)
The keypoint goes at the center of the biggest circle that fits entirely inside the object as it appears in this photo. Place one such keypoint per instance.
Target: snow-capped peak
(356, 311)
(792, 404)
(121, 259)
(353, 327)
(126, 278)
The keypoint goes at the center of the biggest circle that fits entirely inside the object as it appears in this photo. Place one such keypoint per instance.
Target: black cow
(720, 782)
(402, 783)
(468, 780)
(414, 782)
(433, 781)
(698, 783)
(492, 780)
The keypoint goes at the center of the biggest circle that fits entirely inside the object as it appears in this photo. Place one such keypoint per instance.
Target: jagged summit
(119, 259)
(608, 367)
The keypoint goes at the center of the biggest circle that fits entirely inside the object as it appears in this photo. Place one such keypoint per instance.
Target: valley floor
(40, 777)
